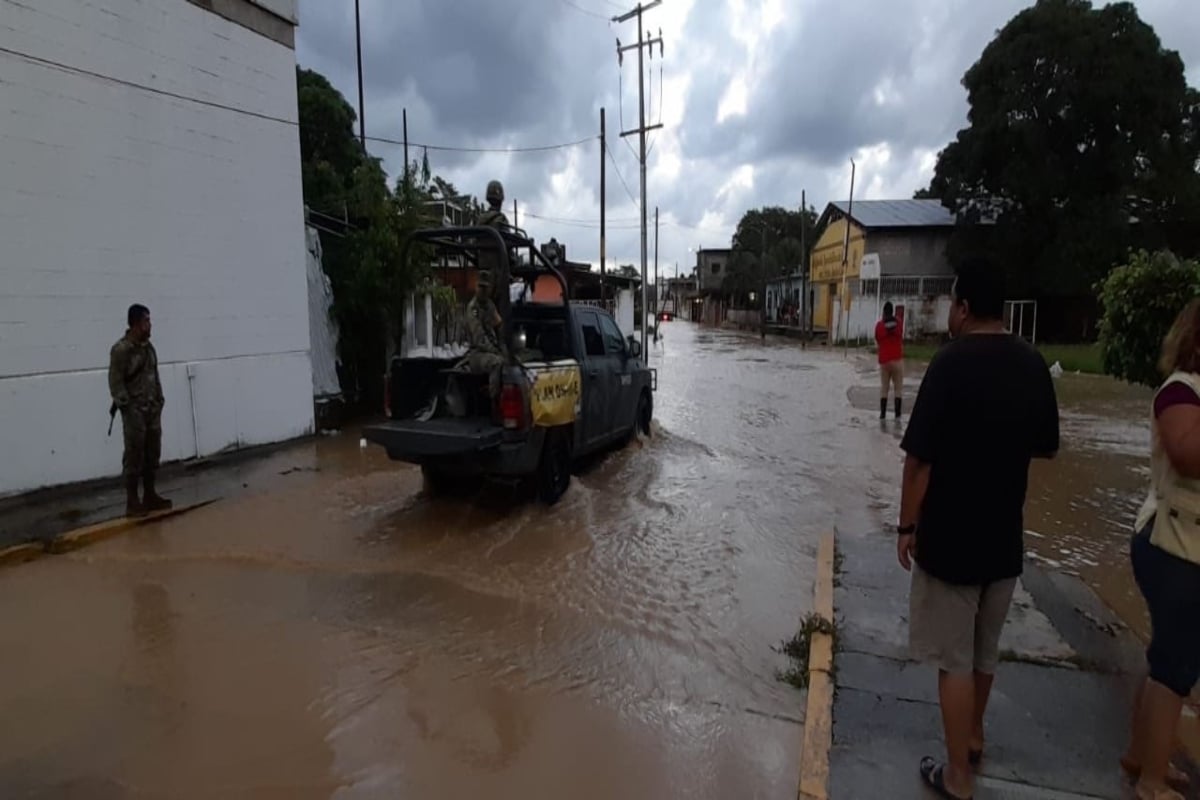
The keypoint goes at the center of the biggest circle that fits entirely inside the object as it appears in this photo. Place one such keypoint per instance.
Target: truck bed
(413, 440)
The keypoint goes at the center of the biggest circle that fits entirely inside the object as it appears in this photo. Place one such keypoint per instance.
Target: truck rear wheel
(554, 469)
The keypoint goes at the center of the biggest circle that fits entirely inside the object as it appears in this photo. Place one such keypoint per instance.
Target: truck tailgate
(412, 439)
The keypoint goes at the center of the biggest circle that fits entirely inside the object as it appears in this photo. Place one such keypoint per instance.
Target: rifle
(112, 416)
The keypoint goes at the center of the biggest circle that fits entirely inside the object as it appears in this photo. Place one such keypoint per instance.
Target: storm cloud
(760, 99)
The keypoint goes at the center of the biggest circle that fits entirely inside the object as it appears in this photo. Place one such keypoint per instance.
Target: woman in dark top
(1166, 564)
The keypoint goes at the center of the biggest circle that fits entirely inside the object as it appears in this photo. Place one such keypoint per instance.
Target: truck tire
(554, 469)
(645, 413)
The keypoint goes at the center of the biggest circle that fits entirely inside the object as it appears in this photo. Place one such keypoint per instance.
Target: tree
(767, 244)
(1141, 299)
(1083, 140)
(364, 261)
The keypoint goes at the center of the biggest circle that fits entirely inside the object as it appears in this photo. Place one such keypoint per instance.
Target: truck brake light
(512, 407)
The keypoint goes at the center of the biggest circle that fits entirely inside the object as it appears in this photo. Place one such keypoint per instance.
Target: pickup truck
(573, 387)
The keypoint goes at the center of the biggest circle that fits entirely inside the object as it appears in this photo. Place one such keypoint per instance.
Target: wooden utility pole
(362, 114)
(641, 130)
(603, 254)
(515, 225)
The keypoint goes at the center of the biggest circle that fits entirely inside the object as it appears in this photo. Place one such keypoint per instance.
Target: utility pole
(846, 259)
(803, 266)
(362, 115)
(406, 175)
(657, 293)
(515, 225)
(603, 255)
(641, 130)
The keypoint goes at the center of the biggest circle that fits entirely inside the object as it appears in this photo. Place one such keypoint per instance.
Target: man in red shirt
(889, 336)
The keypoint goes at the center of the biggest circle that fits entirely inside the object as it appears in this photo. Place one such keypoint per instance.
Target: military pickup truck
(574, 385)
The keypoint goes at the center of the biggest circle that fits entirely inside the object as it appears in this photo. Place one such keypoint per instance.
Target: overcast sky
(759, 99)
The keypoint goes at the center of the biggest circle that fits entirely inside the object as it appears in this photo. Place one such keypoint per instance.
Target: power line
(583, 10)
(621, 177)
(269, 118)
(623, 221)
(627, 226)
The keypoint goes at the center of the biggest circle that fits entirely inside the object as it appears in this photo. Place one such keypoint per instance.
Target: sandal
(933, 773)
(1176, 778)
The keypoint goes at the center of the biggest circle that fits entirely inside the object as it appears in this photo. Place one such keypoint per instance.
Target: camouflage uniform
(486, 355)
(136, 391)
(489, 260)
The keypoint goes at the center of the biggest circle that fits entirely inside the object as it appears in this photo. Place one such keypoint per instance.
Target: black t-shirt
(985, 409)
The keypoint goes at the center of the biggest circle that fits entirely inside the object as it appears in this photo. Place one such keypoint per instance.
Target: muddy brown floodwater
(334, 632)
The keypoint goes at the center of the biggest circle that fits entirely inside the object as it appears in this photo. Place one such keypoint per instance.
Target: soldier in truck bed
(484, 325)
(137, 393)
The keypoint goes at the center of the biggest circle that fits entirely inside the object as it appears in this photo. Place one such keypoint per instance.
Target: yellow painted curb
(818, 719)
(81, 537)
(20, 553)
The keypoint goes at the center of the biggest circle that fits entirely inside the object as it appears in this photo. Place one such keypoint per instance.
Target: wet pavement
(332, 631)
(329, 630)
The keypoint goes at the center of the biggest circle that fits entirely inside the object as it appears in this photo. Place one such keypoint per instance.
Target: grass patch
(1085, 358)
(797, 647)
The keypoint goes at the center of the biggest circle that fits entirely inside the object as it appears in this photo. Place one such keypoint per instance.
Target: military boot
(133, 505)
(153, 501)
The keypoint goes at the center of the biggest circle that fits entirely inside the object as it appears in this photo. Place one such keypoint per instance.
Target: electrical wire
(268, 117)
(583, 10)
(621, 177)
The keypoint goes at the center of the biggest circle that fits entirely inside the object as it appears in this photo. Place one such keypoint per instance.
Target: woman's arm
(1179, 427)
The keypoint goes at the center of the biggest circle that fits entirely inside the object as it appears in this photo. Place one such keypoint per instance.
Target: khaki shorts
(957, 628)
(892, 374)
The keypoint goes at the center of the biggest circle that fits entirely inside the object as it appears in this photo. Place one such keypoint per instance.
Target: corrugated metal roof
(898, 213)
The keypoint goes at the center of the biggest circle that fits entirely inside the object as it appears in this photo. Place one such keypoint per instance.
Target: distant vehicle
(574, 386)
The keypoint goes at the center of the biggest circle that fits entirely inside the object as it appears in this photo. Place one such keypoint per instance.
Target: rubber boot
(883, 408)
(153, 501)
(899, 407)
(133, 506)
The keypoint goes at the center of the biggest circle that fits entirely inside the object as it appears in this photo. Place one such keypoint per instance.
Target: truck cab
(573, 385)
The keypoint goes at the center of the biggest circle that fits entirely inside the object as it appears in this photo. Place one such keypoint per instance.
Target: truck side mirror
(635, 348)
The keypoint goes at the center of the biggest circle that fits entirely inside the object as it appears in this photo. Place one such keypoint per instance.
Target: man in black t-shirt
(985, 409)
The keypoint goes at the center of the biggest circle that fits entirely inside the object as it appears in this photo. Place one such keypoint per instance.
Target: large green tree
(364, 225)
(1083, 141)
(767, 244)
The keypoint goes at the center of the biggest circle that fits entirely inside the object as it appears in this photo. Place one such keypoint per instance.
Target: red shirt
(890, 338)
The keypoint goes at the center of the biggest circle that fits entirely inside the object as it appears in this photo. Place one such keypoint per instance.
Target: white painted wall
(923, 316)
(112, 195)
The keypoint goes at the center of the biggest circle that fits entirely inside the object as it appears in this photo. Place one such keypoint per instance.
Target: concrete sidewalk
(1058, 718)
(45, 515)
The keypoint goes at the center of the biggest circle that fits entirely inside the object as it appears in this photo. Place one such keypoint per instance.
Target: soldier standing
(137, 393)
(490, 261)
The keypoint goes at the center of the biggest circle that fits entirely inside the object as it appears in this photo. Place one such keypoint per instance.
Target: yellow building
(907, 239)
(831, 271)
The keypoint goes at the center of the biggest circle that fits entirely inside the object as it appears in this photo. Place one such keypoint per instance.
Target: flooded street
(335, 632)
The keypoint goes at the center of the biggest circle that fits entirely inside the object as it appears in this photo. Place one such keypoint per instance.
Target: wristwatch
(906, 530)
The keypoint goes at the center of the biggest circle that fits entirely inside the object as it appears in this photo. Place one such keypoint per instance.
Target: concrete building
(150, 154)
(907, 239)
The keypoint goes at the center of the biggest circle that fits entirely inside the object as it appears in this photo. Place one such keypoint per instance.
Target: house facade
(152, 156)
(906, 240)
